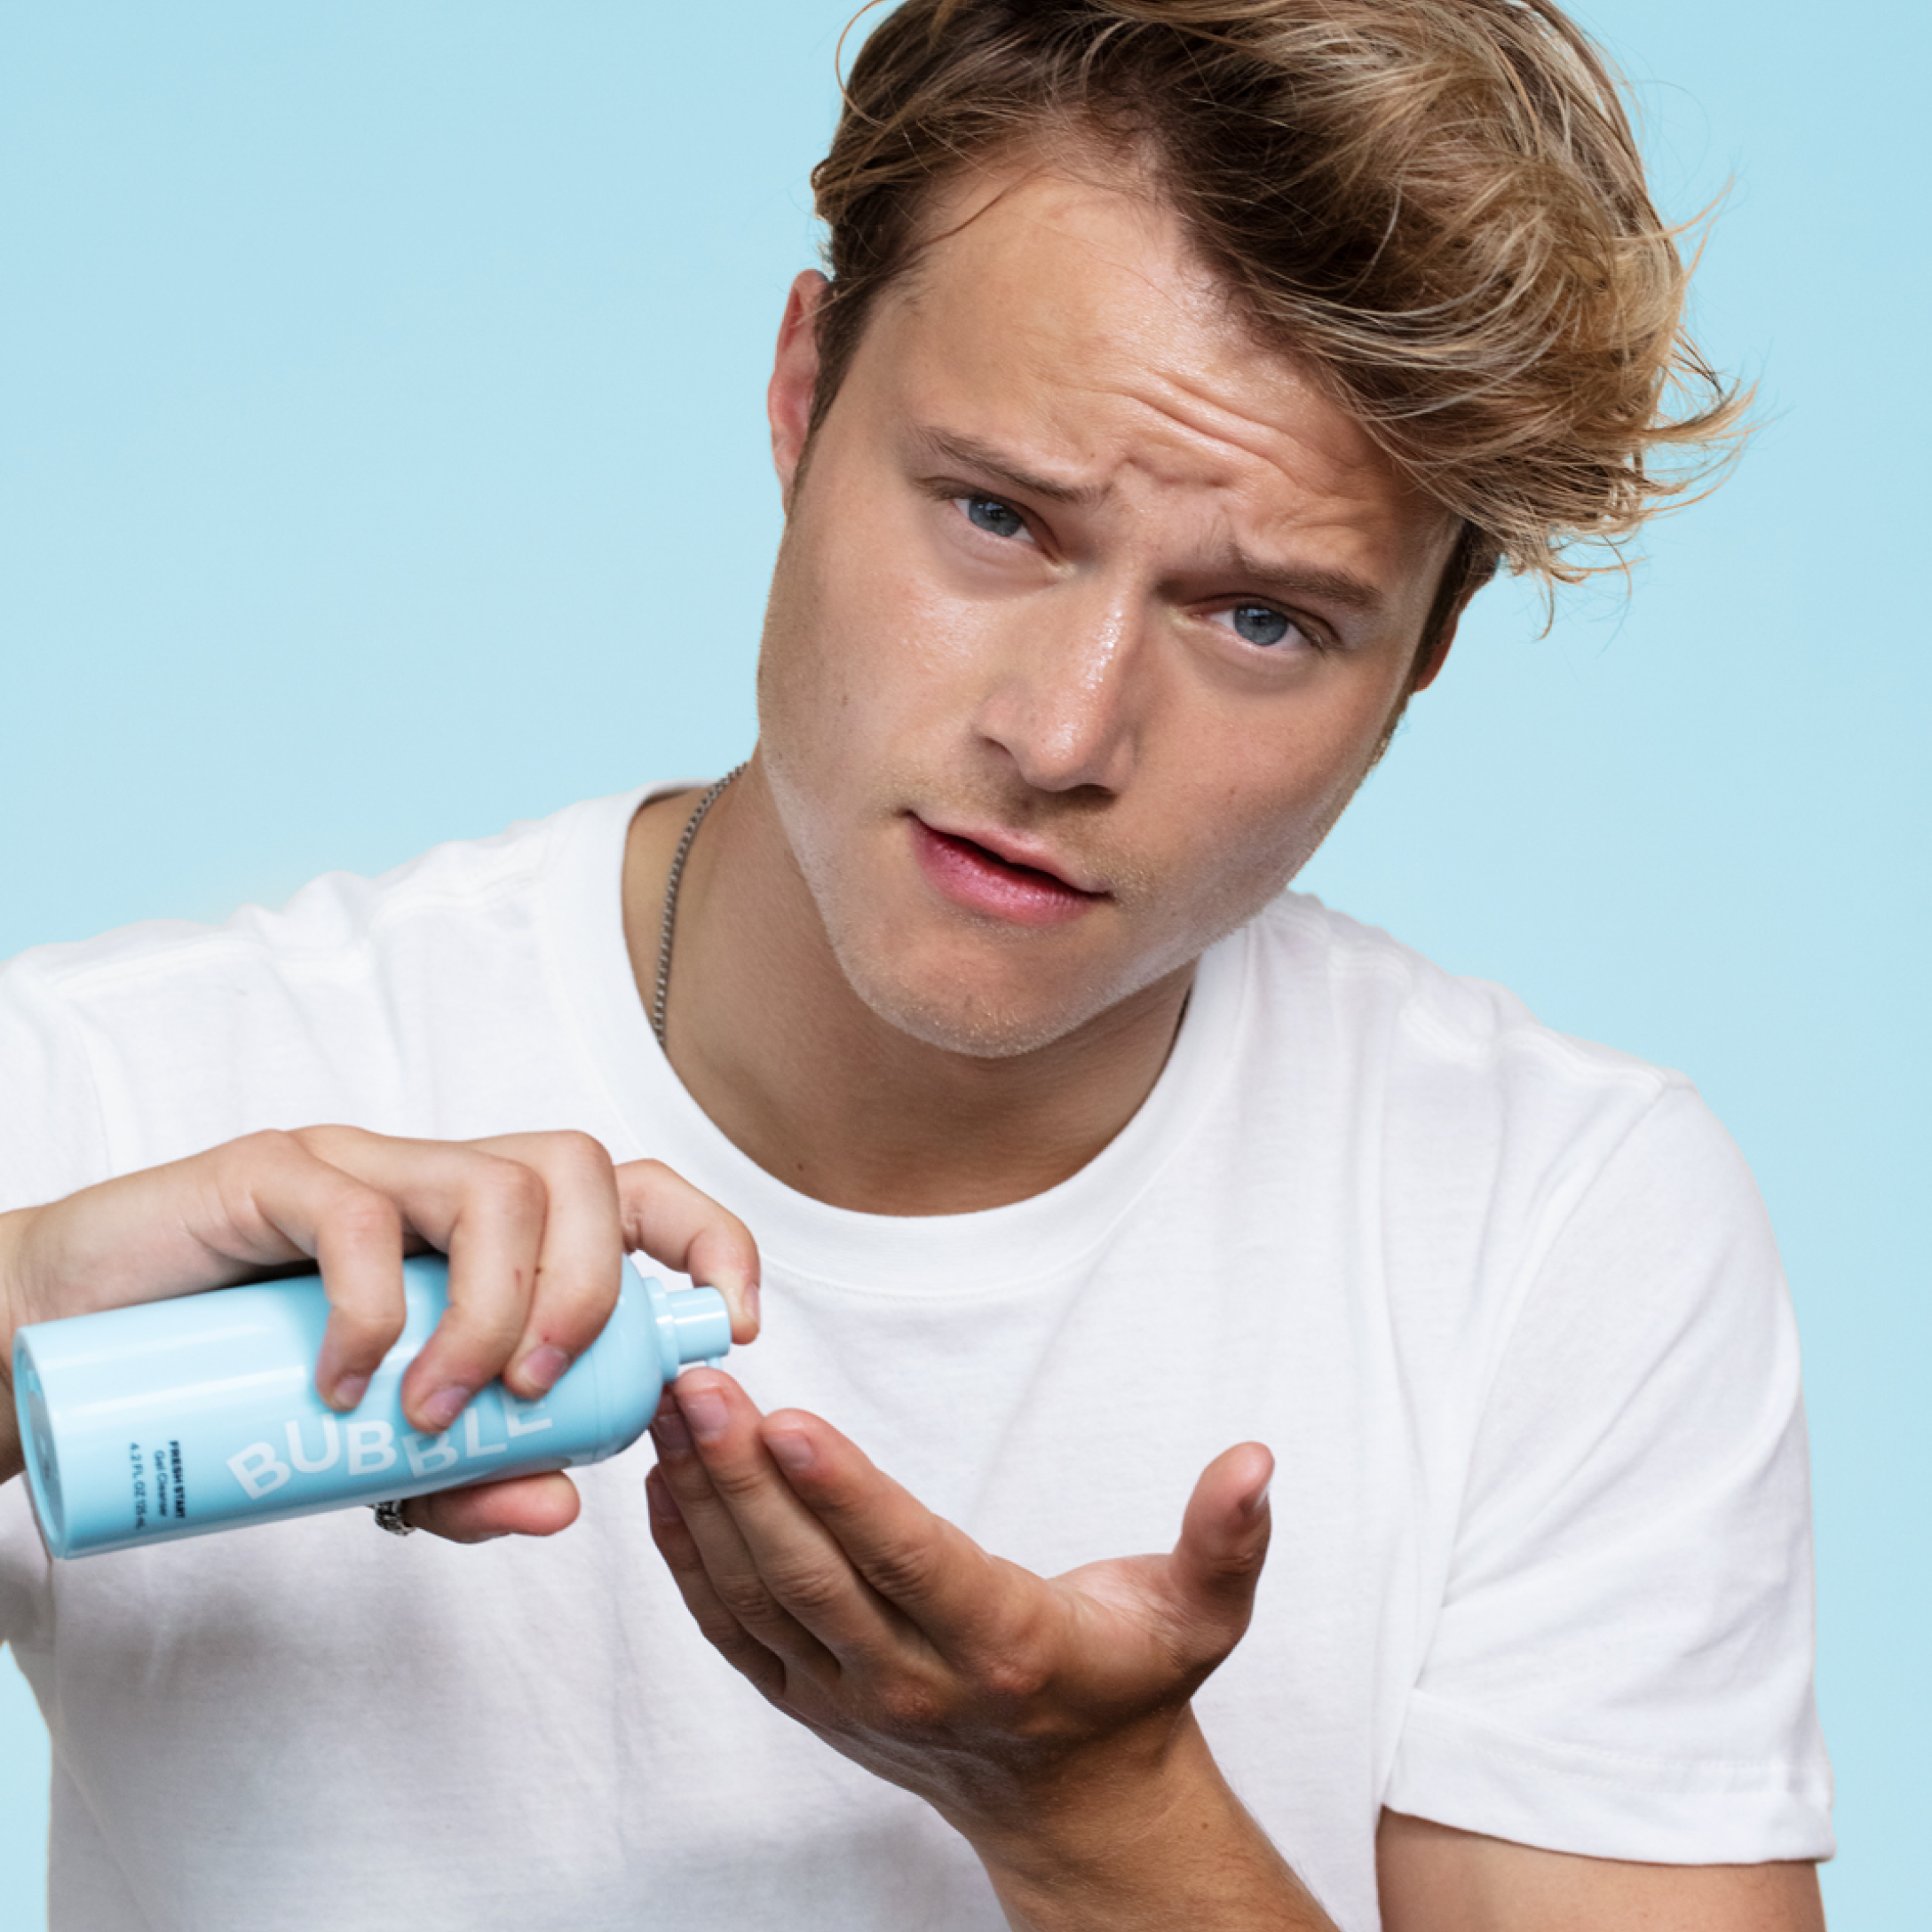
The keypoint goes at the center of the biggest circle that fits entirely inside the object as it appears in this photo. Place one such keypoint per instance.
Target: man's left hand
(1046, 1719)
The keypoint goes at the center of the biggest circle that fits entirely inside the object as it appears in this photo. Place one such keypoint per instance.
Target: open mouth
(976, 877)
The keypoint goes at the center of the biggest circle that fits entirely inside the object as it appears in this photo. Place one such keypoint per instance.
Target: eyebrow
(1284, 579)
(1308, 580)
(975, 454)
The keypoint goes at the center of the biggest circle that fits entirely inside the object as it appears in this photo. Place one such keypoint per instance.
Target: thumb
(1224, 1542)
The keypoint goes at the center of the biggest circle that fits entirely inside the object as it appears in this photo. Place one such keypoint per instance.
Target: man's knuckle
(367, 1324)
(911, 1703)
(904, 1573)
(807, 1588)
(1241, 1567)
(516, 1190)
(1193, 1643)
(1011, 1677)
(494, 1187)
(364, 1216)
(322, 1140)
(739, 1482)
(725, 1634)
(489, 1333)
(746, 1597)
(238, 1168)
(578, 1153)
(657, 1181)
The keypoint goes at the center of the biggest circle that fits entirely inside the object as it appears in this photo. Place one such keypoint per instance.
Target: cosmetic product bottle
(179, 1417)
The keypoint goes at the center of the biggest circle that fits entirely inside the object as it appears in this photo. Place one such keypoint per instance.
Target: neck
(770, 1041)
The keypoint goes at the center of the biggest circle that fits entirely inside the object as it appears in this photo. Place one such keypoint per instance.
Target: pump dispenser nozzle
(693, 1324)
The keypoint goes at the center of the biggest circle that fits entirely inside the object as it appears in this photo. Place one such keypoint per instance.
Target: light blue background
(381, 460)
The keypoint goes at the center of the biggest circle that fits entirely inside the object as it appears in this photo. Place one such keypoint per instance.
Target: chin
(974, 1020)
(981, 1014)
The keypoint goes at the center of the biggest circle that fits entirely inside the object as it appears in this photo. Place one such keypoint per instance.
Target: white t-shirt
(1504, 1306)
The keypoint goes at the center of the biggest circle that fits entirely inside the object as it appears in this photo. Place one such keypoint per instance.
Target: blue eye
(1258, 624)
(989, 514)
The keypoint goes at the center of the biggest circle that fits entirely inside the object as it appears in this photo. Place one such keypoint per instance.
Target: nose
(1066, 700)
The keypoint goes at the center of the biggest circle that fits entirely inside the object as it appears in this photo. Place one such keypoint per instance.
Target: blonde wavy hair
(1436, 206)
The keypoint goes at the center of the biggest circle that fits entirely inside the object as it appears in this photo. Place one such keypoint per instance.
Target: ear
(1427, 671)
(795, 375)
(1471, 564)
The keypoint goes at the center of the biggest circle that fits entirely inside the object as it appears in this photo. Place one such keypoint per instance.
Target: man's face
(1090, 617)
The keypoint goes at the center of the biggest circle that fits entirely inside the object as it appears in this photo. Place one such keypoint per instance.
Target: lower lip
(971, 876)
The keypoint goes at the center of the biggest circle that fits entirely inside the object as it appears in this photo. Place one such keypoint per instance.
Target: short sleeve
(1622, 1662)
(52, 1139)
(52, 1142)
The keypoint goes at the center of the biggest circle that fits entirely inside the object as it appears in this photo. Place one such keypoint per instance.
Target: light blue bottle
(180, 1417)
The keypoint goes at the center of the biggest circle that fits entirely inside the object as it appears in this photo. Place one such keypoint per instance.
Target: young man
(1184, 368)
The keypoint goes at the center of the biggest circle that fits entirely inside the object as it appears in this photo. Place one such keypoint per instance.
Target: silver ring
(389, 1516)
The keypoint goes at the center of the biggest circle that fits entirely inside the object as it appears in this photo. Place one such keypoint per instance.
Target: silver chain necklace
(671, 899)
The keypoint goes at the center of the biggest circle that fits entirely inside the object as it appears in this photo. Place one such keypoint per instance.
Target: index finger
(680, 1226)
(928, 1569)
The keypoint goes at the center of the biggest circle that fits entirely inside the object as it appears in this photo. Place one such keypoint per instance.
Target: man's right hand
(534, 1226)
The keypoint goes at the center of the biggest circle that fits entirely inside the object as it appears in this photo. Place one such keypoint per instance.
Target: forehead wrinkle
(1312, 547)
(1195, 414)
(1220, 549)
(1338, 483)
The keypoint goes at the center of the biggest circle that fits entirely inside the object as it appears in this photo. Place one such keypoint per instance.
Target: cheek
(1260, 802)
(805, 685)
(859, 653)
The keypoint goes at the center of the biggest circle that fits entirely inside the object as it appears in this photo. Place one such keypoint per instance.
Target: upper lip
(1016, 849)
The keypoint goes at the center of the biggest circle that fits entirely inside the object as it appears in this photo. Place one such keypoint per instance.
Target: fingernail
(704, 1409)
(663, 1504)
(350, 1390)
(753, 1304)
(445, 1406)
(542, 1367)
(1258, 1502)
(792, 1452)
(672, 1437)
